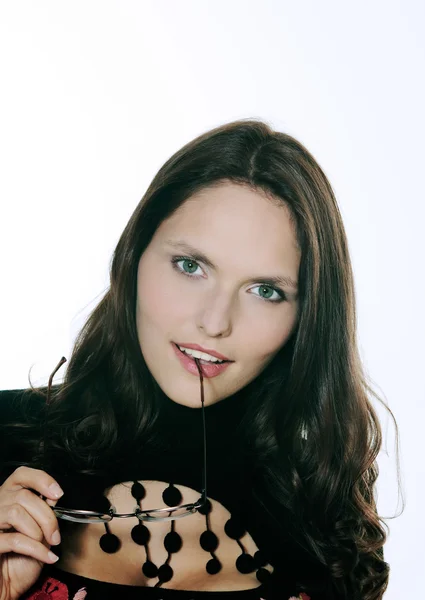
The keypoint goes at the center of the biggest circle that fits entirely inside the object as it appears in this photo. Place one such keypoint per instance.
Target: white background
(96, 95)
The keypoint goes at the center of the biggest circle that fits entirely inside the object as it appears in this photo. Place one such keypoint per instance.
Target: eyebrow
(200, 256)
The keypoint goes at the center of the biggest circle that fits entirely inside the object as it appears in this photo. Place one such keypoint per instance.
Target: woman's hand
(28, 527)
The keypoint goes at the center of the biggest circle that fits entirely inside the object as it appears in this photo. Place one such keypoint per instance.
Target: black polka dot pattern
(140, 534)
(245, 563)
(109, 543)
(172, 542)
(138, 491)
(208, 541)
(260, 560)
(149, 569)
(234, 528)
(263, 575)
(172, 496)
(165, 573)
(205, 509)
(102, 505)
(213, 566)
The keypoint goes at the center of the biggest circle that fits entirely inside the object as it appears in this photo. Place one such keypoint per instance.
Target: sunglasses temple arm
(48, 401)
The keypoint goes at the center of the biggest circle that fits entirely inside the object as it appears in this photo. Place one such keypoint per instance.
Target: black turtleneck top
(281, 567)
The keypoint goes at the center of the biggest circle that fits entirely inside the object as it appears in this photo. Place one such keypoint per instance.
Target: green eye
(263, 287)
(190, 263)
(269, 292)
(190, 266)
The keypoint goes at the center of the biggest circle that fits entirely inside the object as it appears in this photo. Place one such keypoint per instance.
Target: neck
(183, 424)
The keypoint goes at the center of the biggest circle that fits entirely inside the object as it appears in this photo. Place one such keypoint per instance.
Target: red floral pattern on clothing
(52, 589)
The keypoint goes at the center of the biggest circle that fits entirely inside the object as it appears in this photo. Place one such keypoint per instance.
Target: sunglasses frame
(67, 514)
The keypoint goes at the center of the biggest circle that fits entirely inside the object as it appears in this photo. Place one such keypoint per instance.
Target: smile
(210, 366)
(203, 356)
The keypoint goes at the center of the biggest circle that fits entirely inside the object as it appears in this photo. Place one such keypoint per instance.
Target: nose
(215, 316)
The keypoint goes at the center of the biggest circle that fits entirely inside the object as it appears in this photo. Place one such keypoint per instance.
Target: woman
(236, 253)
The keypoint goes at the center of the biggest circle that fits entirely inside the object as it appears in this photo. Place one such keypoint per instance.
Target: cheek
(160, 298)
(266, 339)
(152, 303)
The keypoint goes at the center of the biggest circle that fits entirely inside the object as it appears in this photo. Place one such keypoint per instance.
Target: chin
(195, 403)
(190, 404)
(192, 400)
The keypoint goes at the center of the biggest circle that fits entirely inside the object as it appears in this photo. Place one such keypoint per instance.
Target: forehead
(234, 213)
(241, 231)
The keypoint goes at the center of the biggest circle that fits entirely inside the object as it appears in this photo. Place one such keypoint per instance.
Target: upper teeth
(202, 355)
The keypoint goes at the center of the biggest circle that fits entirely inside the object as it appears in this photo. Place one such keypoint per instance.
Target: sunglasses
(155, 514)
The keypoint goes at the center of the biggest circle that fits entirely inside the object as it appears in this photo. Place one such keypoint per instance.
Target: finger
(15, 516)
(21, 544)
(35, 479)
(49, 502)
(41, 513)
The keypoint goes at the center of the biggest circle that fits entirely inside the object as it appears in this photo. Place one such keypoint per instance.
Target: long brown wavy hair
(315, 431)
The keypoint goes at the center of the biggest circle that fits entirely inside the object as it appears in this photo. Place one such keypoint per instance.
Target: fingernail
(56, 490)
(53, 557)
(56, 538)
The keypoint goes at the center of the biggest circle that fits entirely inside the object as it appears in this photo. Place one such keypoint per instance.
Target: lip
(206, 350)
(208, 370)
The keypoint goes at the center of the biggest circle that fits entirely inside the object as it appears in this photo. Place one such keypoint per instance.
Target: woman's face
(225, 305)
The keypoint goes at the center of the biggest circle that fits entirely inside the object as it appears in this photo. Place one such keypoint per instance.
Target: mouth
(215, 360)
(209, 368)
